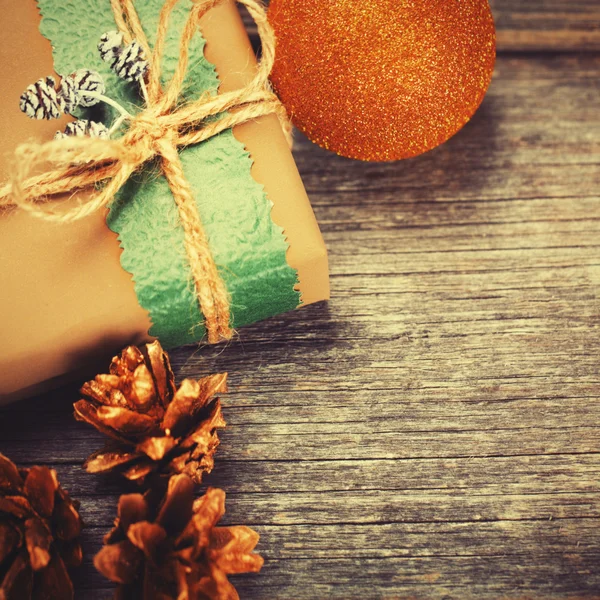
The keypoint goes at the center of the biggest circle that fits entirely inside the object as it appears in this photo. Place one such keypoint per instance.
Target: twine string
(159, 131)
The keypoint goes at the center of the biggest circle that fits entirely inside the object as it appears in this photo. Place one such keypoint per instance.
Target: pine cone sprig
(39, 534)
(153, 427)
(41, 100)
(83, 128)
(170, 547)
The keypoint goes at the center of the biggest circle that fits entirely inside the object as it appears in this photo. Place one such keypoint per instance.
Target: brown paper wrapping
(65, 302)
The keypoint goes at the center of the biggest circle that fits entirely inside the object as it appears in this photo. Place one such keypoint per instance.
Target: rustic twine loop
(158, 131)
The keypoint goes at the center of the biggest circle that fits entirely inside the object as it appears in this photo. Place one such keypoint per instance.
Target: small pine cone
(111, 46)
(74, 86)
(39, 534)
(131, 64)
(83, 128)
(97, 130)
(41, 101)
(170, 547)
(153, 427)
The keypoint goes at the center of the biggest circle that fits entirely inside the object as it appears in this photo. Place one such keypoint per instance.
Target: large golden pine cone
(152, 426)
(168, 548)
(39, 534)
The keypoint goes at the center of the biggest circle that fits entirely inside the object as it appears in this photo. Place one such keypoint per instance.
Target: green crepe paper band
(247, 246)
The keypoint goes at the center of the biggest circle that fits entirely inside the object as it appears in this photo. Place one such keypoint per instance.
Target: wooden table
(433, 432)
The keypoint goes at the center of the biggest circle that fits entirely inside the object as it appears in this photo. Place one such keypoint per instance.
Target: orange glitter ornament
(383, 79)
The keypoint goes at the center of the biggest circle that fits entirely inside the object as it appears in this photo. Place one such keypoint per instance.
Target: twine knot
(149, 127)
(103, 166)
(148, 136)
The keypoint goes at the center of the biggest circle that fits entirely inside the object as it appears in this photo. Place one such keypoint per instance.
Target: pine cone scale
(177, 507)
(126, 363)
(204, 434)
(147, 537)
(162, 372)
(157, 447)
(16, 505)
(209, 510)
(18, 581)
(10, 539)
(119, 562)
(213, 384)
(38, 540)
(140, 470)
(71, 554)
(67, 523)
(104, 390)
(84, 411)
(180, 408)
(10, 480)
(132, 508)
(105, 460)
(125, 421)
(40, 488)
(143, 393)
(191, 397)
(55, 582)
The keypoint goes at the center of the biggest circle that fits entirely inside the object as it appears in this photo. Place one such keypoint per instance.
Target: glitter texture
(383, 79)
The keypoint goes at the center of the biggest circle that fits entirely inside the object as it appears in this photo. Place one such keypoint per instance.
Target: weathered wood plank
(394, 540)
(539, 25)
(379, 506)
(457, 578)
(486, 577)
(414, 548)
(547, 24)
(453, 578)
(516, 475)
(253, 443)
(512, 476)
(385, 415)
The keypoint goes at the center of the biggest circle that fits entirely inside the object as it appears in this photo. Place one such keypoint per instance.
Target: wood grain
(433, 432)
(539, 25)
(547, 25)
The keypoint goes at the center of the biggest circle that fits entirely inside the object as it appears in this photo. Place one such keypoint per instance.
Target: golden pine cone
(39, 534)
(169, 547)
(152, 426)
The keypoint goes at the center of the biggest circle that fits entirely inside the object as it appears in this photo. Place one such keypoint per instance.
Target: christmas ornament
(152, 426)
(39, 534)
(383, 80)
(171, 548)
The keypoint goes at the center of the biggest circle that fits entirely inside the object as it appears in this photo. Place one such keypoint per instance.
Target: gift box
(74, 292)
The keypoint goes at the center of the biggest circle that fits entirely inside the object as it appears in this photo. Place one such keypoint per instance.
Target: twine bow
(158, 131)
